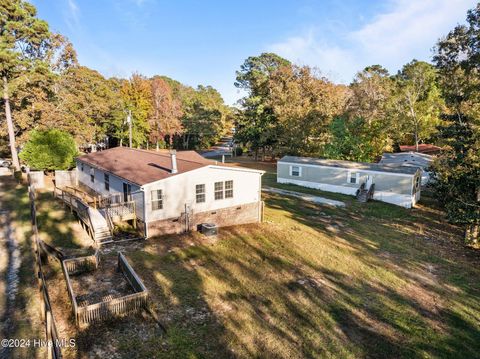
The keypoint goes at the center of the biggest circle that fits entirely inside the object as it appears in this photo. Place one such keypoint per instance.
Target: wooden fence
(51, 333)
(118, 307)
(36, 179)
(82, 264)
(66, 178)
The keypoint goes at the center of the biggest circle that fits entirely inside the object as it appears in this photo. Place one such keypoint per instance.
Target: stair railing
(360, 189)
(371, 190)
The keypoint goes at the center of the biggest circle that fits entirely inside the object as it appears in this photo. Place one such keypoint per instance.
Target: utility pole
(129, 121)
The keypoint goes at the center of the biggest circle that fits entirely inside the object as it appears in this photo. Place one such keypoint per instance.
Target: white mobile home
(396, 185)
(174, 192)
(409, 159)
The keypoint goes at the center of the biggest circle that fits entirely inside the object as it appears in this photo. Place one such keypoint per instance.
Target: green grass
(26, 312)
(370, 280)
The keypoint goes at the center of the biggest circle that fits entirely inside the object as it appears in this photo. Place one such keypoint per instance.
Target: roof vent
(173, 155)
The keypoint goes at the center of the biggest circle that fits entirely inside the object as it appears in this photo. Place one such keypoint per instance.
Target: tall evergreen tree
(458, 168)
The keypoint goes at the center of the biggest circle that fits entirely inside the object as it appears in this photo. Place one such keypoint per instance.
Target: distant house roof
(406, 159)
(349, 165)
(422, 148)
(143, 166)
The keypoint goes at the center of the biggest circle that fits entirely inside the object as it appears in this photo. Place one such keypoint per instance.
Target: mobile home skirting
(404, 200)
(241, 214)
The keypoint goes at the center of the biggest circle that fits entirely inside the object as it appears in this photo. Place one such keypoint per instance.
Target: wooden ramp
(96, 224)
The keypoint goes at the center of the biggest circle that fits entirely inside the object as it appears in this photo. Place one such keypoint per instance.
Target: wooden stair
(101, 229)
(365, 194)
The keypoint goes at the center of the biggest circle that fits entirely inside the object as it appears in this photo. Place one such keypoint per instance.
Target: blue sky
(205, 42)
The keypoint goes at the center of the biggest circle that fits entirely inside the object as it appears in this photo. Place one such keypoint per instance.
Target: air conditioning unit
(209, 229)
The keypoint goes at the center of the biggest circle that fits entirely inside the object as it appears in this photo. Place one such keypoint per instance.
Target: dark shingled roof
(349, 165)
(142, 166)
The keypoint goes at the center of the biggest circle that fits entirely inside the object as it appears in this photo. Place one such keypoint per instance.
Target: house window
(106, 180)
(353, 177)
(228, 189)
(81, 167)
(295, 171)
(127, 192)
(157, 199)
(218, 190)
(200, 193)
(92, 175)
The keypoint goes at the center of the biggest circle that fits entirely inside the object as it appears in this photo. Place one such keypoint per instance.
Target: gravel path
(305, 197)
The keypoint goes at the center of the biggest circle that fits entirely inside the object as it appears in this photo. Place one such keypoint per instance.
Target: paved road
(305, 197)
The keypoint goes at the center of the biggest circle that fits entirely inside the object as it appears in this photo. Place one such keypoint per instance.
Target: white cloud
(408, 30)
(72, 16)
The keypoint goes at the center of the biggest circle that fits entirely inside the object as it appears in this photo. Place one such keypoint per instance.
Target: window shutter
(349, 176)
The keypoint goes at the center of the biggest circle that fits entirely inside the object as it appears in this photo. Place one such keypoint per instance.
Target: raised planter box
(116, 307)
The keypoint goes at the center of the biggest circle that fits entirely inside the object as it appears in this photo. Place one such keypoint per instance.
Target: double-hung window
(295, 171)
(353, 177)
(218, 190)
(157, 199)
(106, 180)
(200, 193)
(92, 175)
(228, 189)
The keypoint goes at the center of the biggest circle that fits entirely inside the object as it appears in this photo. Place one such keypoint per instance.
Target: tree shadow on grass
(58, 225)
(24, 315)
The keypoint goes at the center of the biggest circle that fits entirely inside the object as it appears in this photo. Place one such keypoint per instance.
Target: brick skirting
(242, 214)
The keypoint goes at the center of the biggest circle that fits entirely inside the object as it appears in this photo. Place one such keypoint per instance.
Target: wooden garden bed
(98, 294)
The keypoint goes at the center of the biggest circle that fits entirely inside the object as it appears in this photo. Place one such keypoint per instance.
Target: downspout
(145, 223)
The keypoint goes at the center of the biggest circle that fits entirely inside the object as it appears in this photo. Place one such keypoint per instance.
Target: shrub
(238, 151)
(49, 150)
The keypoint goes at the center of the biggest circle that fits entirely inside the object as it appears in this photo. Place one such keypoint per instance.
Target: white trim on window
(299, 171)
(349, 177)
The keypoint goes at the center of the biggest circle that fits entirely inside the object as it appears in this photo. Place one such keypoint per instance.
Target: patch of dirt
(104, 283)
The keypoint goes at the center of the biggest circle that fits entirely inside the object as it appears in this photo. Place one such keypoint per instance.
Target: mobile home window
(296, 171)
(218, 190)
(157, 200)
(106, 180)
(81, 167)
(200, 193)
(228, 189)
(353, 177)
(92, 175)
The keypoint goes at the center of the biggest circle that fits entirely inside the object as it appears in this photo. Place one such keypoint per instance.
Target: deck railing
(121, 211)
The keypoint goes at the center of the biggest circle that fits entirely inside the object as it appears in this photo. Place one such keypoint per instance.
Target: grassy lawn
(370, 280)
(25, 315)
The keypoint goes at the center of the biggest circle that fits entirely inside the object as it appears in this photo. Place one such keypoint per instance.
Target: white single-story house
(396, 185)
(409, 159)
(174, 191)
